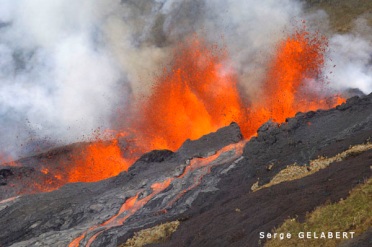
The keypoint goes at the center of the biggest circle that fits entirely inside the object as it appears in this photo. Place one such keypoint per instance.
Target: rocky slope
(206, 185)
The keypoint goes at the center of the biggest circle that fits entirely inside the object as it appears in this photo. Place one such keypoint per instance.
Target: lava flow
(130, 207)
(135, 203)
(197, 95)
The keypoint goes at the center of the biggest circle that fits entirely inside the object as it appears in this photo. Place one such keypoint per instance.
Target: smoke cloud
(350, 64)
(68, 67)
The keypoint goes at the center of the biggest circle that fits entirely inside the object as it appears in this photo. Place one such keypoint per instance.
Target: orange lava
(199, 94)
(7, 160)
(130, 207)
(195, 96)
(76, 242)
(299, 58)
(339, 100)
(100, 160)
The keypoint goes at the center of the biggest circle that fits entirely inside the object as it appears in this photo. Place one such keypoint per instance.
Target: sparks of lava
(299, 58)
(197, 95)
(190, 99)
(194, 98)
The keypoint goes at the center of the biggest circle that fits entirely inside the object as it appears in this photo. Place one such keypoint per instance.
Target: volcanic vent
(190, 99)
(204, 181)
(227, 142)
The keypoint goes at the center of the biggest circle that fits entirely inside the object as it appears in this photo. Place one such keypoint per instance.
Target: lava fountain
(196, 95)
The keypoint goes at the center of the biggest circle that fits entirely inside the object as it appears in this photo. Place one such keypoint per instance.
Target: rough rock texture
(208, 190)
(208, 144)
(213, 221)
(56, 218)
(311, 134)
(237, 218)
(25, 171)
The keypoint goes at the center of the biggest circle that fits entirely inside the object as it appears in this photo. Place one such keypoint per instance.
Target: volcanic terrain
(209, 185)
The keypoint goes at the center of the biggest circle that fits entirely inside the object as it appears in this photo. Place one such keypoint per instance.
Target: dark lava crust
(221, 210)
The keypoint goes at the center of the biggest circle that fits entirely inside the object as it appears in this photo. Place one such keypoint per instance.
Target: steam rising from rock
(68, 67)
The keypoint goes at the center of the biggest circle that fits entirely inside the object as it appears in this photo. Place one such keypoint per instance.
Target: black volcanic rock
(4, 174)
(223, 225)
(60, 216)
(303, 137)
(203, 193)
(156, 156)
(27, 176)
(208, 144)
(351, 92)
(213, 221)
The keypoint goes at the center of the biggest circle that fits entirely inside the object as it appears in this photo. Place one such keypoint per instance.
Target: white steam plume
(57, 77)
(67, 66)
(350, 64)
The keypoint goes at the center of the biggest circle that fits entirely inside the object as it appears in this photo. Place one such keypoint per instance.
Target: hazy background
(69, 67)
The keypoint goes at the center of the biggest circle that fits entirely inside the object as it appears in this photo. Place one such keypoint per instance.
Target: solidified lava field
(161, 186)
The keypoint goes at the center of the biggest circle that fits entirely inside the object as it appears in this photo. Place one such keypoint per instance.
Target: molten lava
(299, 59)
(100, 160)
(130, 207)
(7, 160)
(134, 203)
(197, 95)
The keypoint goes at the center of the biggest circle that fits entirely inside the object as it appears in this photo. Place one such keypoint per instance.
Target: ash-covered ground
(202, 185)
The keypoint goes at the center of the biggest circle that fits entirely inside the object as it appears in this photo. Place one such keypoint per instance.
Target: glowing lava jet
(196, 96)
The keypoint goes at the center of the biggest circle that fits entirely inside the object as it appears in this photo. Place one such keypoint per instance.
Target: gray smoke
(69, 67)
(350, 65)
(57, 76)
